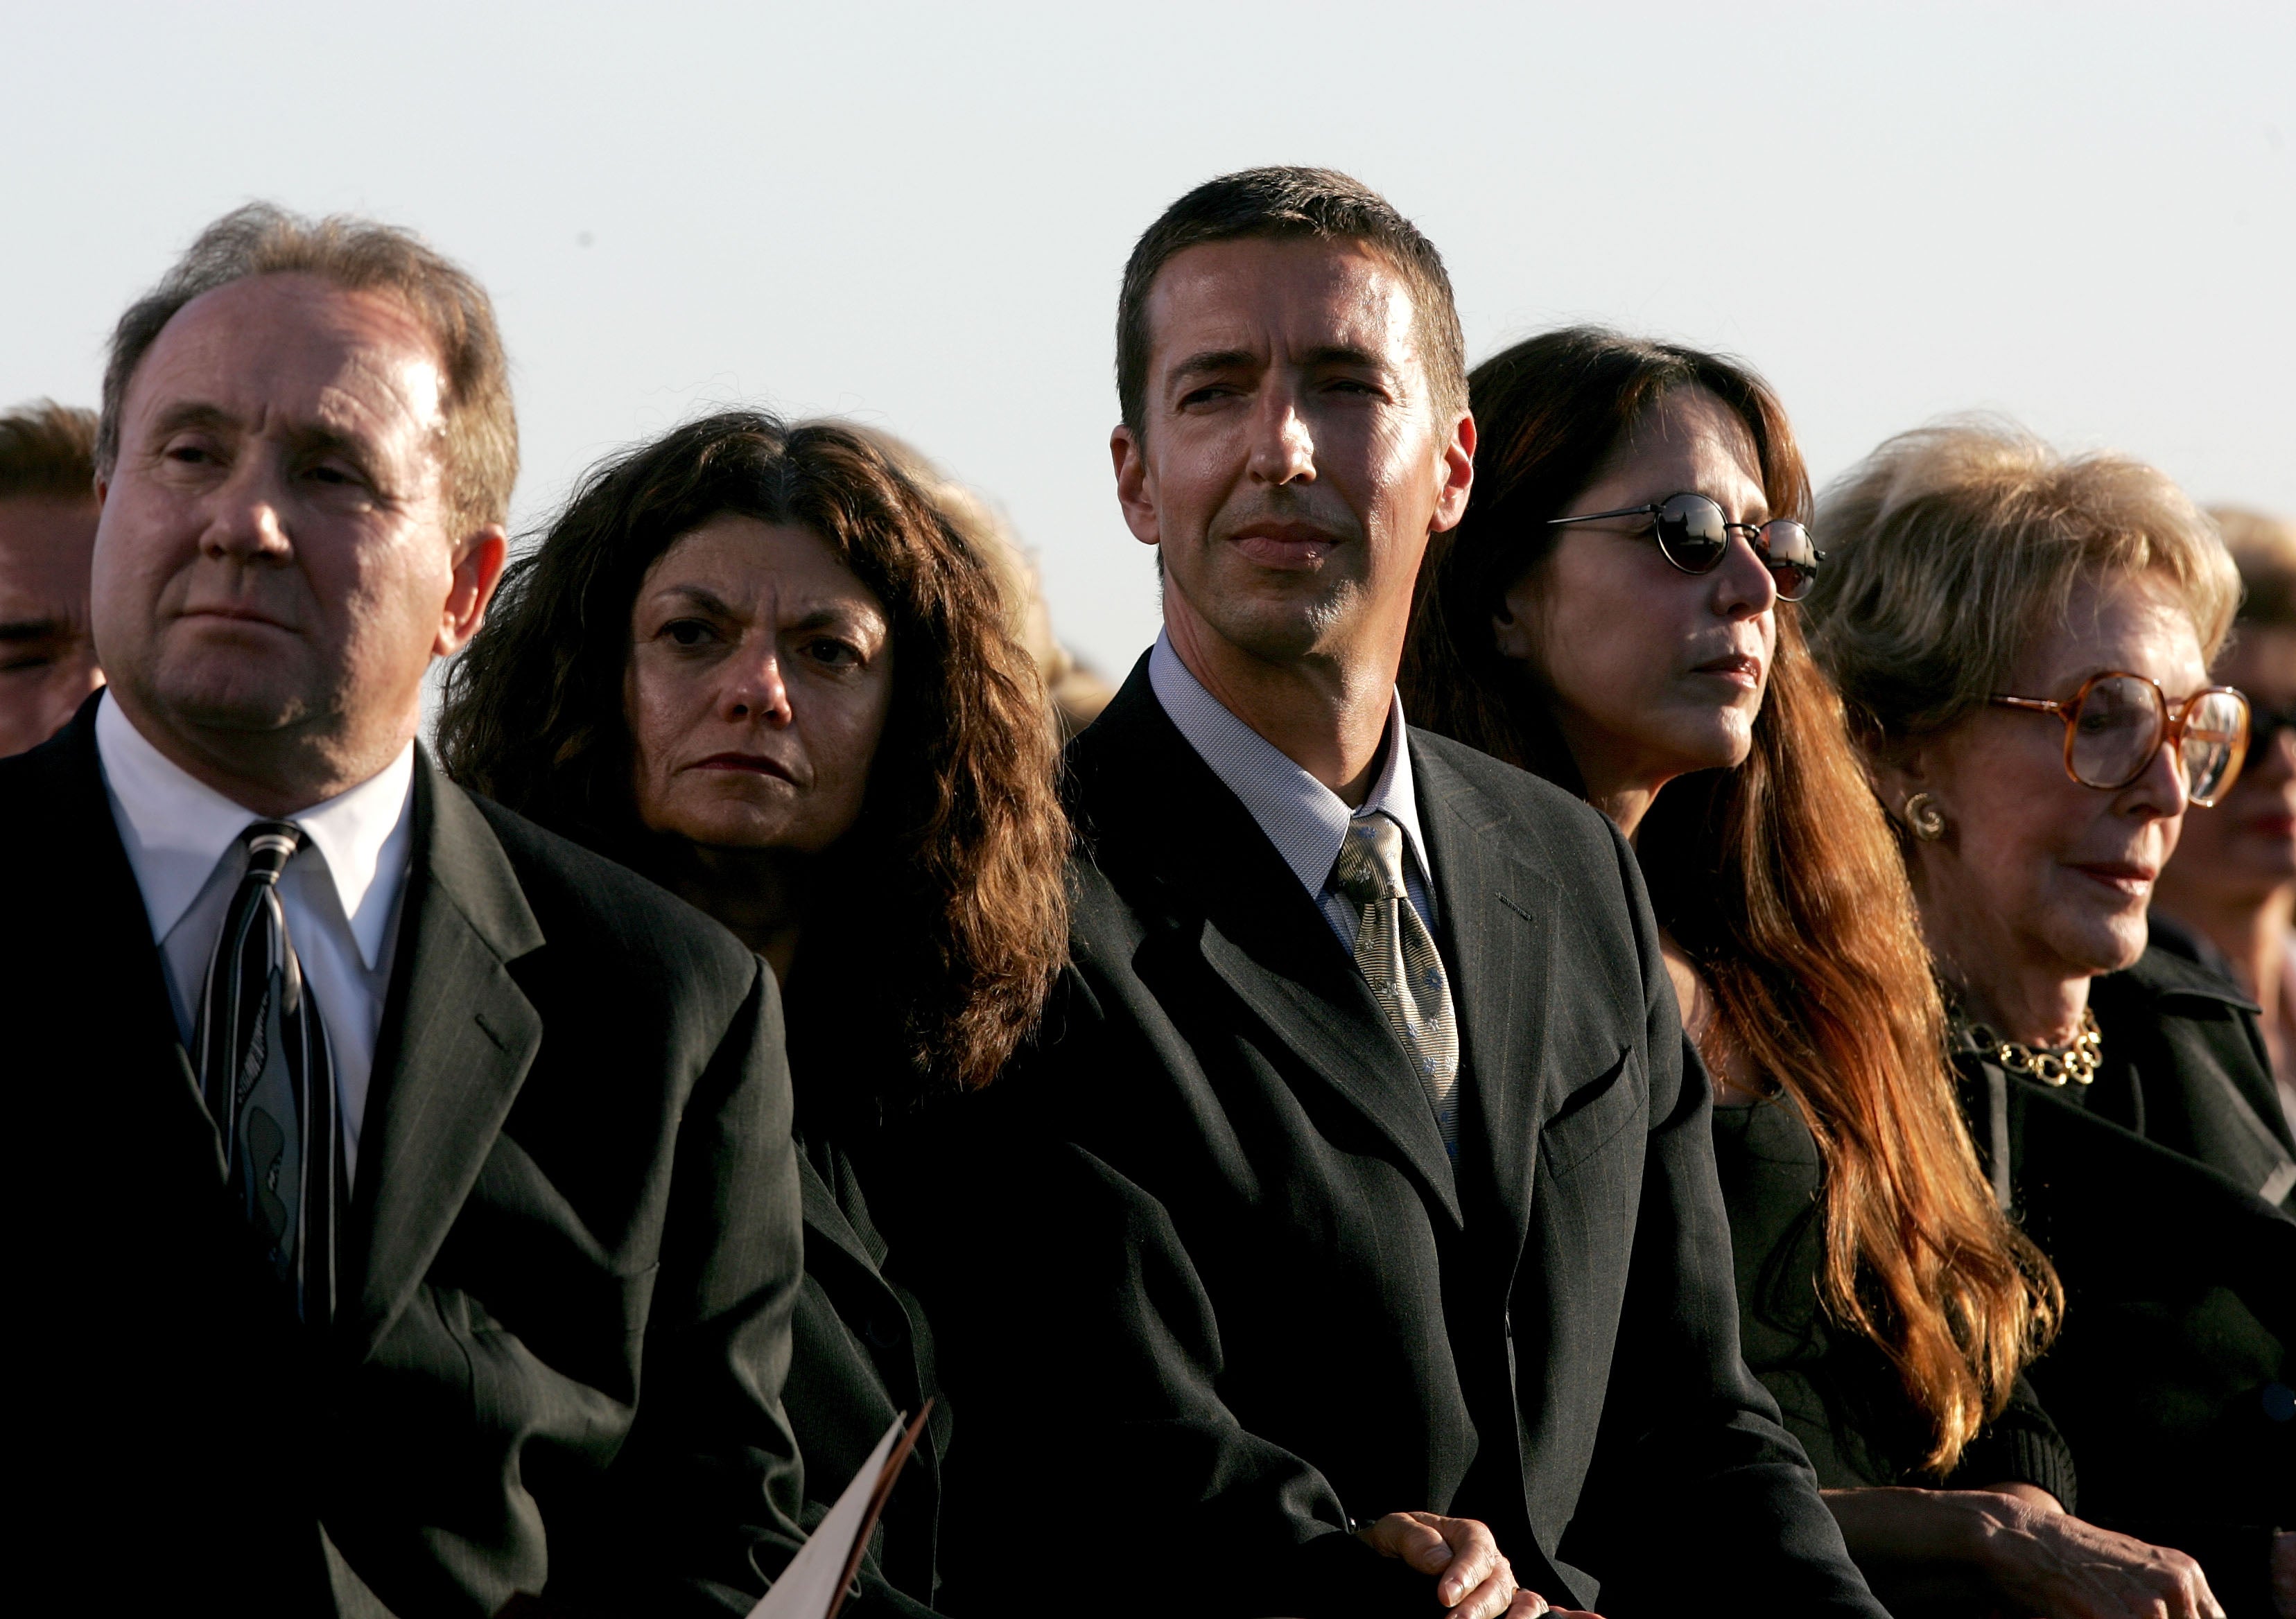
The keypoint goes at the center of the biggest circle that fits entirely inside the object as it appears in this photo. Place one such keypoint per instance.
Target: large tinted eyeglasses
(2118, 722)
(1693, 534)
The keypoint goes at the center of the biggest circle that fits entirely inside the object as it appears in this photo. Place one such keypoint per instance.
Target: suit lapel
(824, 1217)
(1329, 1020)
(1499, 915)
(457, 1039)
(1176, 840)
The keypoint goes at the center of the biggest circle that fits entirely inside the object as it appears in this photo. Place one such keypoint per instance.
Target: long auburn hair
(1780, 879)
(951, 913)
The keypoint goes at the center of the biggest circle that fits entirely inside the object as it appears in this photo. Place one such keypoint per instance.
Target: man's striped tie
(269, 1083)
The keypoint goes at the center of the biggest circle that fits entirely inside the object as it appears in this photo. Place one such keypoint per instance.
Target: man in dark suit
(1358, 1184)
(414, 1218)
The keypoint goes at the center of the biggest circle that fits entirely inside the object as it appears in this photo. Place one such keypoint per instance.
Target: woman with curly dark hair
(1616, 613)
(754, 662)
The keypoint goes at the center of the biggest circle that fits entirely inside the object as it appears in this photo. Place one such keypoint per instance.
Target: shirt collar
(175, 828)
(1306, 821)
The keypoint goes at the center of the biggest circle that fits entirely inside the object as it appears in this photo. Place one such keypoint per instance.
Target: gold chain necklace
(2076, 1062)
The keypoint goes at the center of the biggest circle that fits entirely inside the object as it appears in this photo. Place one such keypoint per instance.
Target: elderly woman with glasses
(1616, 612)
(2022, 641)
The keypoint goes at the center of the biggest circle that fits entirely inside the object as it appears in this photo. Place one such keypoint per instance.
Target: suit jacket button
(882, 1331)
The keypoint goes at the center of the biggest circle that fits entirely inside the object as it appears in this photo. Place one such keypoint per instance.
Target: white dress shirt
(1305, 820)
(340, 892)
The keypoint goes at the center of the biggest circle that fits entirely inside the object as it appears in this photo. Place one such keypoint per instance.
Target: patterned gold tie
(1400, 963)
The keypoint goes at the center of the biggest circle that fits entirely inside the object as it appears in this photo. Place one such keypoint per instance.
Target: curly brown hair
(1779, 878)
(951, 913)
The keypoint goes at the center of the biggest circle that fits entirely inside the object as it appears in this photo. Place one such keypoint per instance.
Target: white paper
(809, 1584)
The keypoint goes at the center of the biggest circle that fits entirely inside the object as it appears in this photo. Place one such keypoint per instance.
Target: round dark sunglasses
(1693, 534)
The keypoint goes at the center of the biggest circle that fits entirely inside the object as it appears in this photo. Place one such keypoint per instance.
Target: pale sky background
(2082, 215)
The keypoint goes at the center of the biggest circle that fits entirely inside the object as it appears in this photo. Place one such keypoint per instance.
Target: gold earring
(1925, 817)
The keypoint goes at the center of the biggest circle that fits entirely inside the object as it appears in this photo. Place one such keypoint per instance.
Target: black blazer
(862, 1355)
(2170, 1377)
(570, 1260)
(1207, 1281)
(2185, 1065)
(1836, 1391)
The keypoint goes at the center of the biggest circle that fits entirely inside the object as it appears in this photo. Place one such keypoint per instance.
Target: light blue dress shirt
(1305, 820)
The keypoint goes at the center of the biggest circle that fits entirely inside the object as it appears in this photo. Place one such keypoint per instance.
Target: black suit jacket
(2170, 1376)
(862, 1355)
(570, 1260)
(1207, 1285)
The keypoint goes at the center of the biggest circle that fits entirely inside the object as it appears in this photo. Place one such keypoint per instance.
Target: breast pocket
(1595, 1115)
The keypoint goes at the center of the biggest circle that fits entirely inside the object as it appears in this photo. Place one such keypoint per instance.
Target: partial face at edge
(1653, 673)
(2240, 851)
(759, 680)
(47, 656)
(1292, 463)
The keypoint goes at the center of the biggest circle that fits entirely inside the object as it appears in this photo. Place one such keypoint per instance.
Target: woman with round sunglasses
(2228, 896)
(1615, 613)
(2023, 641)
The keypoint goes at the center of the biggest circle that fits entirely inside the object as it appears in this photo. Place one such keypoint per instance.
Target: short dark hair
(1318, 203)
(952, 918)
(47, 451)
(359, 256)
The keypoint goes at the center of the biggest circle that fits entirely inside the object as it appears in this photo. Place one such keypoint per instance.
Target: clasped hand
(1473, 1579)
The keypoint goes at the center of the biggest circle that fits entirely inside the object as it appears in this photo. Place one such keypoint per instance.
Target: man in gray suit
(416, 1220)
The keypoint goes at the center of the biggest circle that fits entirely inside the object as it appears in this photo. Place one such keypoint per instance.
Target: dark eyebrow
(309, 439)
(33, 629)
(1212, 360)
(192, 413)
(707, 599)
(830, 618)
(1344, 353)
(709, 602)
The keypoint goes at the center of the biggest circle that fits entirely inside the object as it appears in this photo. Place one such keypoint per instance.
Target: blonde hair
(480, 448)
(1949, 546)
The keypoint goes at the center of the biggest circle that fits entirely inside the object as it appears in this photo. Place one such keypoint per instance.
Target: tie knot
(1371, 860)
(270, 846)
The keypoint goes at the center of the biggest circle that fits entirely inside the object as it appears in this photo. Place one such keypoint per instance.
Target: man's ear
(1135, 485)
(1459, 472)
(478, 569)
